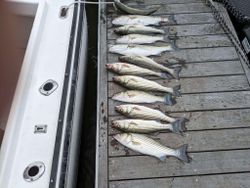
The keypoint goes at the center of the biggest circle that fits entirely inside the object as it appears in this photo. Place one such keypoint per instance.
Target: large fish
(136, 49)
(134, 96)
(129, 10)
(148, 146)
(143, 112)
(136, 82)
(150, 63)
(125, 68)
(137, 29)
(141, 20)
(148, 126)
(139, 39)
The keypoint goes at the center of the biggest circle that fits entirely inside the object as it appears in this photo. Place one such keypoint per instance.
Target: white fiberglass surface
(45, 58)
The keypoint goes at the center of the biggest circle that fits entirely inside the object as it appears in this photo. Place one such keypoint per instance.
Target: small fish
(141, 20)
(125, 68)
(150, 63)
(138, 39)
(137, 29)
(136, 49)
(148, 146)
(126, 9)
(143, 112)
(148, 126)
(136, 82)
(133, 96)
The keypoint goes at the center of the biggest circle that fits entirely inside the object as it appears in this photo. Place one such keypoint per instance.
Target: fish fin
(177, 71)
(179, 126)
(169, 99)
(162, 157)
(182, 153)
(176, 90)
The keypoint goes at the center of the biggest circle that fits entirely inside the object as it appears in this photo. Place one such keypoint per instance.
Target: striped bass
(125, 68)
(138, 39)
(134, 96)
(143, 112)
(129, 10)
(136, 49)
(141, 20)
(148, 126)
(137, 29)
(136, 82)
(150, 63)
(148, 146)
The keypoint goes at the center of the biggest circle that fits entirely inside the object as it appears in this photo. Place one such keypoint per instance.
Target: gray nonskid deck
(216, 100)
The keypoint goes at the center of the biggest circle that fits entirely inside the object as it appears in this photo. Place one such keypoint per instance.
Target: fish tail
(182, 153)
(179, 126)
(176, 90)
(165, 75)
(169, 100)
(161, 31)
(170, 20)
(177, 71)
(173, 45)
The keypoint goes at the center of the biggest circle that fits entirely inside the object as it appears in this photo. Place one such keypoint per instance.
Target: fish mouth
(117, 137)
(116, 79)
(114, 124)
(118, 108)
(122, 58)
(109, 66)
(116, 30)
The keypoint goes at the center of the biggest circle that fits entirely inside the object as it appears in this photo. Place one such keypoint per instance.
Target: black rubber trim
(78, 33)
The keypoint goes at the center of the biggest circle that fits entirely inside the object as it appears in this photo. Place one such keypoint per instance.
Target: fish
(143, 112)
(134, 96)
(149, 126)
(142, 20)
(150, 63)
(129, 10)
(138, 39)
(137, 29)
(136, 82)
(125, 68)
(148, 146)
(136, 49)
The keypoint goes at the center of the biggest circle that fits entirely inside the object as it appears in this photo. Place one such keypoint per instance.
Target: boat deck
(216, 100)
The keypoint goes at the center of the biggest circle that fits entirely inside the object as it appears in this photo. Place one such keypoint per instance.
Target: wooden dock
(216, 100)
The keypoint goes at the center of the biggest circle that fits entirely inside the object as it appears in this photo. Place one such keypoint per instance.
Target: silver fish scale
(151, 144)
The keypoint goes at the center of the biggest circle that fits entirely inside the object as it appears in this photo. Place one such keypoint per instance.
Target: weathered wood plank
(204, 84)
(102, 105)
(194, 18)
(173, 9)
(203, 101)
(205, 69)
(193, 55)
(155, 2)
(206, 120)
(183, 8)
(203, 163)
(197, 141)
(203, 41)
(212, 68)
(184, 30)
(240, 180)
